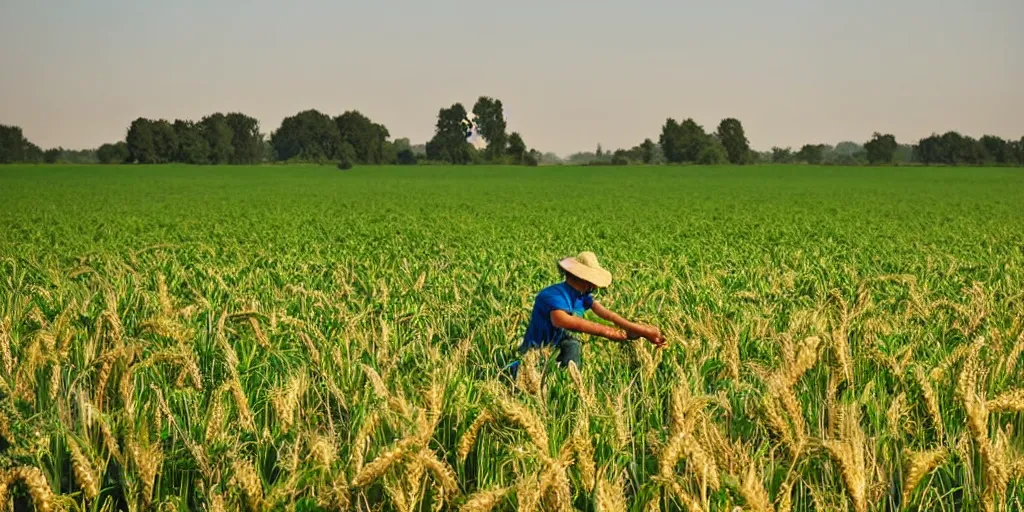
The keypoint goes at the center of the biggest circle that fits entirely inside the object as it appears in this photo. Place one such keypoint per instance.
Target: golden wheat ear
(484, 501)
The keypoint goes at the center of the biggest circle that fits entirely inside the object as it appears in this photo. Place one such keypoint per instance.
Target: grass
(303, 338)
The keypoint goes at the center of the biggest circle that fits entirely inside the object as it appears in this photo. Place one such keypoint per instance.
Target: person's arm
(647, 331)
(563, 320)
(614, 318)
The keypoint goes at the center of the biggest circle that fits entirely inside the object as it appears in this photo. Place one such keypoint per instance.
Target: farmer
(558, 313)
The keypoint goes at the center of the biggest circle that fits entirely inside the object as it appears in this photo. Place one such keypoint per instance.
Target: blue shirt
(561, 296)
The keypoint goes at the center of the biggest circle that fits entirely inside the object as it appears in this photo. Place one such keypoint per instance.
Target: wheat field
(299, 338)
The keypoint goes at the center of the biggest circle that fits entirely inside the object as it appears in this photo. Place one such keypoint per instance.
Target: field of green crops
(302, 338)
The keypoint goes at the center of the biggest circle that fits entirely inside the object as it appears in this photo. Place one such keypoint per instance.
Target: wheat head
(83, 470)
(931, 400)
(920, 464)
(383, 462)
(754, 493)
(248, 480)
(442, 473)
(610, 496)
(1010, 401)
(484, 501)
(525, 418)
(42, 496)
(468, 439)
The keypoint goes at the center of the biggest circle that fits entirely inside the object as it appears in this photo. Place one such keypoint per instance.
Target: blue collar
(573, 292)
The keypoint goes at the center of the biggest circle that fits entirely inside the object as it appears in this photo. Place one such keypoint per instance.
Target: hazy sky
(570, 73)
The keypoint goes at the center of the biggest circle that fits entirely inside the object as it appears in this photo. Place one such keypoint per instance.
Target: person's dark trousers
(569, 349)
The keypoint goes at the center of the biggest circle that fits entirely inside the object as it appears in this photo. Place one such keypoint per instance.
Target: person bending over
(558, 313)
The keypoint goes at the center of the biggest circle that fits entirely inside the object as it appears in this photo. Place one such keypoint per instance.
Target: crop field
(302, 338)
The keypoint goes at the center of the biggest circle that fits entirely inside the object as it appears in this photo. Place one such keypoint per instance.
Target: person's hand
(653, 334)
(618, 334)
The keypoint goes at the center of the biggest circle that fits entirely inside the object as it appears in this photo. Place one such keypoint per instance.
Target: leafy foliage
(116, 153)
(810, 153)
(713, 154)
(246, 139)
(734, 140)
(490, 120)
(309, 136)
(450, 142)
(368, 140)
(219, 138)
(881, 149)
(12, 144)
(683, 142)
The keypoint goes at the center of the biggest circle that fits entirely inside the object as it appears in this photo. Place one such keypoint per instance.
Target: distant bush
(345, 164)
(406, 157)
(531, 160)
(713, 154)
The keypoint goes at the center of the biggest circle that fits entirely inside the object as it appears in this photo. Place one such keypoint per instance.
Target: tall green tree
(683, 142)
(928, 150)
(647, 151)
(958, 149)
(369, 140)
(165, 141)
(490, 122)
(246, 139)
(669, 140)
(997, 150)
(782, 155)
(192, 146)
(734, 140)
(51, 156)
(116, 153)
(402, 144)
(219, 136)
(12, 144)
(452, 130)
(881, 149)
(141, 142)
(694, 140)
(516, 148)
(309, 136)
(31, 154)
(811, 153)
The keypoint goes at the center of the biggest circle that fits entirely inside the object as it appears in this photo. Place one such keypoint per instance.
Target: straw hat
(586, 267)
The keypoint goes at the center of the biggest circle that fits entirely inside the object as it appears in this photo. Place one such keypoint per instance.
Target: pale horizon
(571, 75)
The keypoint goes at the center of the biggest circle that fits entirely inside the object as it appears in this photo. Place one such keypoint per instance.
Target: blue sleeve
(549, 300)
(588, 302)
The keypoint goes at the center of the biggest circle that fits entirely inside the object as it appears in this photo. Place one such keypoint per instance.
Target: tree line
(352, 138)
(308, 136)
